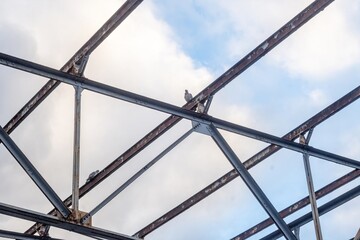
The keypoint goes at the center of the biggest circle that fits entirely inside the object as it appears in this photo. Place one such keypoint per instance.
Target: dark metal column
(250, 182)
(327, 207)
(33, 173)
(310, 185)
(78, 70)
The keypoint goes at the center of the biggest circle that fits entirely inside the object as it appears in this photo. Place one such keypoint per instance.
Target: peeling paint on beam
(254, 160)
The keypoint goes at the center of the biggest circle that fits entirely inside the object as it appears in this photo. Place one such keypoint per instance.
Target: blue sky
(160, 50)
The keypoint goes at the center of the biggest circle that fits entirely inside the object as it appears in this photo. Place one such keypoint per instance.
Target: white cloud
(329, 45)
(318, 97)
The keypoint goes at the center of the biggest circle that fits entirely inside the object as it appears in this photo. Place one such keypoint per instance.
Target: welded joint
(43, 230)
(78, 67)
(305, 140)
(203, 108)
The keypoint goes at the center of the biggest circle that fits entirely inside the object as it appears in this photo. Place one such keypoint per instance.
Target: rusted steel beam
(109, 26)
(300, 204)
(254, 160)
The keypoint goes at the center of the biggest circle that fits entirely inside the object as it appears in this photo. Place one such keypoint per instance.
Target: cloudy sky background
(163, 48)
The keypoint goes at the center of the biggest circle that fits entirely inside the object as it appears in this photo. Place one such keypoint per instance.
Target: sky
(162, 48)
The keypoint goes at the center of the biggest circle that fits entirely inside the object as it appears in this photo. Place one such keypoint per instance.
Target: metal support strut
(78, 69)
(250, 182)
(310, 185)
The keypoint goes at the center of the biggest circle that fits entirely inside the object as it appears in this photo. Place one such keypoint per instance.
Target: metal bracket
(78, 67)
(200, 127)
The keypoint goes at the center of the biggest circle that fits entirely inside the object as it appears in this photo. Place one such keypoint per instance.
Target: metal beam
(109, 26)
(250, 182)
(55, 222)
(327, 207)
(76, 152)
(137, 99)
(22, 236)
(33, 173)
(310, 184)
(300, 204)
(253, 161)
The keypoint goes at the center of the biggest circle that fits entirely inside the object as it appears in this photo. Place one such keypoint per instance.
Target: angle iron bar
(58, 223)
(137, 99)
(253, 161)
(22, 236)
(310, 185)
(33, 173)
(109, 26)
(329, 188)
(137, 175)
(250, 182)
(327, 207)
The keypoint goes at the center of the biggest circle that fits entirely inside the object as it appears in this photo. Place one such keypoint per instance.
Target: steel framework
(72, 73)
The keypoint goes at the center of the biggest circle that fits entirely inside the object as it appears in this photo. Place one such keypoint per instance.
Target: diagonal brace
(250, 182)
(310, 184)
(33, 173)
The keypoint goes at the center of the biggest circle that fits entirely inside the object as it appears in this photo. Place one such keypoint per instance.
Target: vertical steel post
(250, 182)
(76, 153)
(310, 185)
